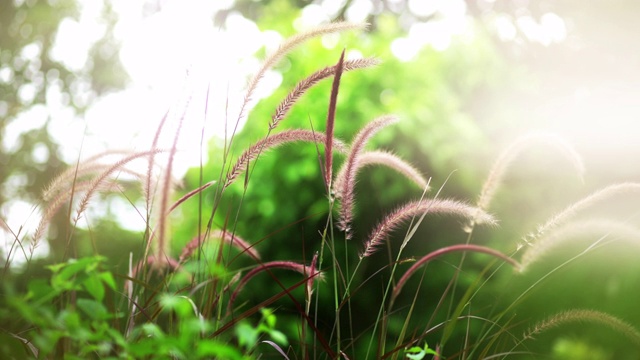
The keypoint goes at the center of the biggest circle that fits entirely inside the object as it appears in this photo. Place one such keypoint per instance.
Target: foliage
(79, 314)
(418, 353)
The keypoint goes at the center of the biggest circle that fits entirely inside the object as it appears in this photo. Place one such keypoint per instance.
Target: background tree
(34, 85)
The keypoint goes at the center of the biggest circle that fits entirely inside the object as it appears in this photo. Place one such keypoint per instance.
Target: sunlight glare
(20, 216)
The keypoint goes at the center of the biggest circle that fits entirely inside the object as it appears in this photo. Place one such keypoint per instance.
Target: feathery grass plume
(313, 269)
(309, 271)
(497, 172)
(56, 203)
(331, 119)
(150, 165)
(225, 236)
(287, 46)
(594, 198)
(387, 159)
(85, 169)
(598, 229)
(586, 316)
(65, 185)
(273, 141)
(191, 193)
(156, 263)
(166, 190)
(446, 250)
(348, 182)
(304, 85)
(97, 182)
(414, 208)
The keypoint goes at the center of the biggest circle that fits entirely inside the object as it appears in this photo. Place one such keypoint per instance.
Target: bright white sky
(159, 50)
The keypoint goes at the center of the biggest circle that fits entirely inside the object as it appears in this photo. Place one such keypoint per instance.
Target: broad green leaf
(269, 317)
(108, 279)
(152, 330)
(279, 337)
(210, 348)
(247, 334)
(93, 285)
(93, 309)
(180, 304)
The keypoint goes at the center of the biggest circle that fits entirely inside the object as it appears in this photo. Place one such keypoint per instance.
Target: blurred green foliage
(33, 82)
(79, 313)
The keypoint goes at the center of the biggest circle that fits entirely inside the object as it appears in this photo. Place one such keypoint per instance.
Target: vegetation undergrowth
(198, 302)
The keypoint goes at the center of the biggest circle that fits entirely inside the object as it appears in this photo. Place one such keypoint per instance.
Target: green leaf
(418, 353)
(214, 349)
(108, 279)
(95, 310)
(64, 274)
(279, 337)
(269, 317)
(180, 304)
(152, 330)
(415, 353)
(117, 337)
(70, 319)
(93, 285)
(247, 334)
(39, 289)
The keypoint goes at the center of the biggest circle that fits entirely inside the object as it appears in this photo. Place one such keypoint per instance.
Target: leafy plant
(418, 353)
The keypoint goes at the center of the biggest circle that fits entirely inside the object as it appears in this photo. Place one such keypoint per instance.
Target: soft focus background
(465, 77)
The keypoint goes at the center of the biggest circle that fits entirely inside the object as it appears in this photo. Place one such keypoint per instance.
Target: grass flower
(304, 85)
(587, 316)
(290, 44)
(595, 230)
(274, 141)
(351, 165)
(223, 235)
(331, 119)
(387, 159)
(591, 200)
(511, 153)
(414, 208)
